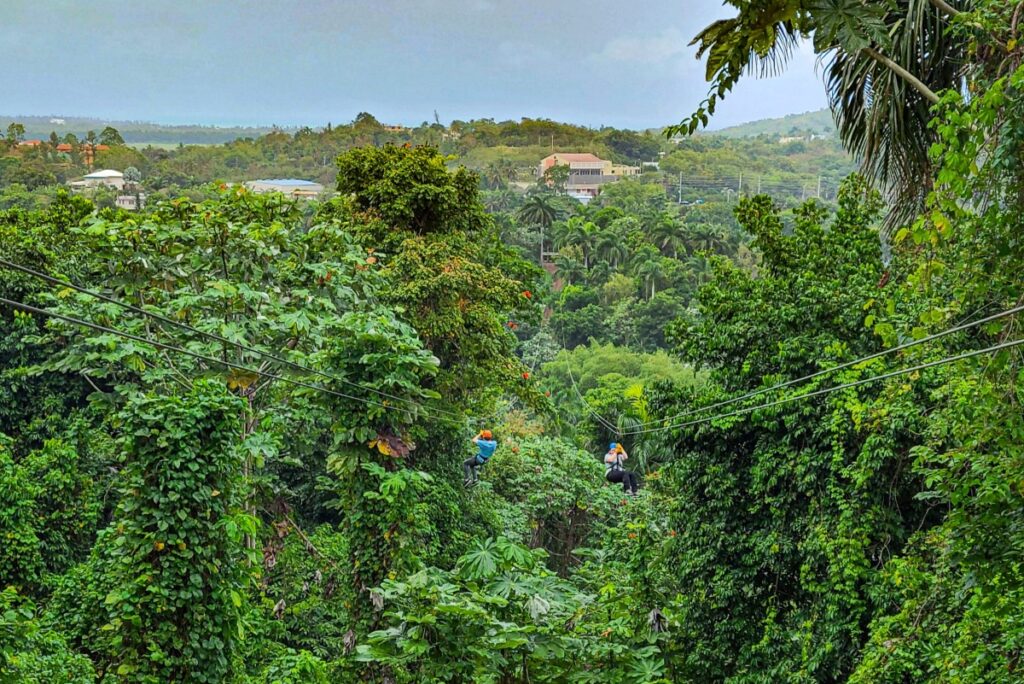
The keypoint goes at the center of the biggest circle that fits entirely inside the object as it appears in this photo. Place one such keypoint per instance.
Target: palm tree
(507, 170)
(700, 269)
(887, 63)
(569, 268)
(643, 254)
(577, 232)
(706, 237)
(650, 272)
(499, 200)
(611, 247)
(600, 272)
(540, 210)
(667, 232)
(493, 176)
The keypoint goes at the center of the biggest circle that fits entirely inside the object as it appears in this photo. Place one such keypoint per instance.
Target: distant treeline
(135, 132)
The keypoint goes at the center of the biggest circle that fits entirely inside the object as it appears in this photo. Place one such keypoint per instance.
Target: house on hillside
(587, 172)
(131, 202)
(289, 186)
(107, 177)
(87, 150)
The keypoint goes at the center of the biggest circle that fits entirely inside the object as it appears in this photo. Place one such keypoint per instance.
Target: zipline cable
(196, 355)
(842, 366)
(213, 336)
(601, 419)
(829, 390)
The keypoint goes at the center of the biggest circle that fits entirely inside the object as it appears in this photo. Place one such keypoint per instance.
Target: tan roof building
(587, 172)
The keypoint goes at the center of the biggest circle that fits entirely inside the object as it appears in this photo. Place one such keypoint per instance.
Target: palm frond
(881, 118)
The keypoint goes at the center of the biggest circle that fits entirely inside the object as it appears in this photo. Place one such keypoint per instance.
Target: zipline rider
(615, 472)
(486, 446)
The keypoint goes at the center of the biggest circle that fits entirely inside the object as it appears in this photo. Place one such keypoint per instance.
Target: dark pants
(471, 467)
(628, 478)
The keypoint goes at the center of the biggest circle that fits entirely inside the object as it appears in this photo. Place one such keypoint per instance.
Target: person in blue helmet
(615, 472)
(485, 448)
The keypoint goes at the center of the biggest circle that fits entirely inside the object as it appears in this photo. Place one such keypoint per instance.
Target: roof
(575, 157)
(296, 182)
(105, 173)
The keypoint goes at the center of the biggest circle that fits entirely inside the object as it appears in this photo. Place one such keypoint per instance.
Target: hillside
(818, 122)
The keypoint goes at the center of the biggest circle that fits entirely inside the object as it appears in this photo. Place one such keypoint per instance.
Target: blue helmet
(612, 445)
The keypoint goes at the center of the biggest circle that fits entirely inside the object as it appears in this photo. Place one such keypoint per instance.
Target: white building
(131, 202)
(107, 177)
(288, 186)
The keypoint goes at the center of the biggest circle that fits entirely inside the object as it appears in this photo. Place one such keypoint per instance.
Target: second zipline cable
(836, 388)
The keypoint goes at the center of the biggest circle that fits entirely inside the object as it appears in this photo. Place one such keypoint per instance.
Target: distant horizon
(171, 123)
(265, 62)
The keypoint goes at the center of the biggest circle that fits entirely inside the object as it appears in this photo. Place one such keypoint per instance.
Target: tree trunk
(914, 81)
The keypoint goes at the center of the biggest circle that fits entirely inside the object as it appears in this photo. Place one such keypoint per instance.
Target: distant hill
(141, 133)
(819, 122)
(133, 132)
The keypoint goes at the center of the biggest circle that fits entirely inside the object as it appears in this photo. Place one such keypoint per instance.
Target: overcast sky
(289, 62)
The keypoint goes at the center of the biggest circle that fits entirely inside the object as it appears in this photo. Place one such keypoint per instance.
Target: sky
(309, 62)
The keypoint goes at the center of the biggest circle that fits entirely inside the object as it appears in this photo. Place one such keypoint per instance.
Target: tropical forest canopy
(233, 425)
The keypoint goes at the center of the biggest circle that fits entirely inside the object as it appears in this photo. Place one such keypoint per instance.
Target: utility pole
(739, 190)
(680, 187)
(819, 187)
(758, 185)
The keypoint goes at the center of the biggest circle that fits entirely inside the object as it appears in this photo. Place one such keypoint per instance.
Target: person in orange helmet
(485, 448)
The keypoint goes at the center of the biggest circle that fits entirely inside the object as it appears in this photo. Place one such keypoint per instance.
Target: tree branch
(914, 81)
(946, 8)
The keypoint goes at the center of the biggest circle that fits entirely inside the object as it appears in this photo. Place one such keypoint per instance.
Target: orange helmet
(486, 434)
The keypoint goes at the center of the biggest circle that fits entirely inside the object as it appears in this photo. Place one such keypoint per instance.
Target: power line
(213, 336)
(829, 390)
(847, 364)
(196, 355)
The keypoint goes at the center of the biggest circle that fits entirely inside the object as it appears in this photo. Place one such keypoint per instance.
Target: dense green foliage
(253, 476)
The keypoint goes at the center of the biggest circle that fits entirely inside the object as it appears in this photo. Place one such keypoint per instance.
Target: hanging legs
(471, 471)
(629, 480)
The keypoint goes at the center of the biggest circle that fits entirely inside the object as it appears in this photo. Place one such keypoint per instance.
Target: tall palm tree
(600, 272)
(643, 254)
(699, 268)
(650, 272)
(886, 64)
(577, 232)
(540, 210)
(611, 247)
(668, 232)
